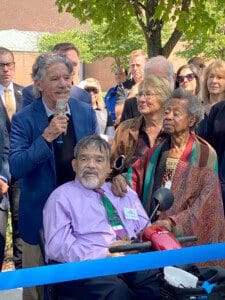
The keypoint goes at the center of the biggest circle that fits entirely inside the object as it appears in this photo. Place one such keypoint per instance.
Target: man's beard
(90, 182)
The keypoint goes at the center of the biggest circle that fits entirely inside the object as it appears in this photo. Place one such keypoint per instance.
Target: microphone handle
(60, 110)
(59, 139)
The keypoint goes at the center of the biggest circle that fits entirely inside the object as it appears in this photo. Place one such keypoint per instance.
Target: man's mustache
(90, 171)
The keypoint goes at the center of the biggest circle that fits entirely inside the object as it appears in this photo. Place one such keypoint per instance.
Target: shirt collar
(10, 86)
(50, 112)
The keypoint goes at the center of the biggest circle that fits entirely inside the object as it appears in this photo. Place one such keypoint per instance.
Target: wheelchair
(50, 290)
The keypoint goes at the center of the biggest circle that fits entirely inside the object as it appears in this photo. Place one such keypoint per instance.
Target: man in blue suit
(41, 149)
(69, 50)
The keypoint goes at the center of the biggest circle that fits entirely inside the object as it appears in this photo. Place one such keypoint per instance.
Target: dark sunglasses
(91, 90)
(189, 77)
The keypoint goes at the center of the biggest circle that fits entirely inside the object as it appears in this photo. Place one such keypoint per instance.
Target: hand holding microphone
(58, 124)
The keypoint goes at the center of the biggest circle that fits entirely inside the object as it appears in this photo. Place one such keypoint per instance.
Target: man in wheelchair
(83, 218)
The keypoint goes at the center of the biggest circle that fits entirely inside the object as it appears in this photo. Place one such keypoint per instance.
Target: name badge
(130, 213)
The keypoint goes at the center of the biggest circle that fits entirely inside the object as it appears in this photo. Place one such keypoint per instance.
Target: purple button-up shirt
(76, 225)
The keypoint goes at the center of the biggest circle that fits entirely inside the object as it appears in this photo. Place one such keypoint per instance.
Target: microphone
(60, 107)
(164, 200)
(60, 111)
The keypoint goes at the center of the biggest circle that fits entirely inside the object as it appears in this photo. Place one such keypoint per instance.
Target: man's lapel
(40, 115)
(18, 96)
(42, 122)
(77, 117)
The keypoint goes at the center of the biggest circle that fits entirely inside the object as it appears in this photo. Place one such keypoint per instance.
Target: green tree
(77, 37)
(186, 16)
(94, 46)
(119, 48)
(212, 44)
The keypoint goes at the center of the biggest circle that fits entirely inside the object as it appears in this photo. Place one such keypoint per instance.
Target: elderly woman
(188, 78)
(135, 136)
(187, 165)
(106, 127)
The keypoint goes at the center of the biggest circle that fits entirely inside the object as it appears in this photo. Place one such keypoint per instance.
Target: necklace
(171, 164)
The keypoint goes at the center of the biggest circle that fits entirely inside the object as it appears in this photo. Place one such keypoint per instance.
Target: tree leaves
(77, 37)
(185, 17)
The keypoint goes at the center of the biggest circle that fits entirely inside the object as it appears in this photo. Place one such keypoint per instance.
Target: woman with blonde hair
(134, 136)
(213, 87)
(106, 127)
(213, 90)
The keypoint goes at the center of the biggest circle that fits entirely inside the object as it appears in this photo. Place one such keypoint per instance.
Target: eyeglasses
(9, 65)
(92, 90)
(189, 77)
(146, 95)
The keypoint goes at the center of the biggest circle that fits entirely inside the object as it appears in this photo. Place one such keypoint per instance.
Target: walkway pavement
(11, 294)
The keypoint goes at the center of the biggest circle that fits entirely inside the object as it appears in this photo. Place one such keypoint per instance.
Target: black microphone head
(164, 198)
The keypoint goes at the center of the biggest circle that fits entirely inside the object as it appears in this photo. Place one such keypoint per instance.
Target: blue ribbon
(109, 266)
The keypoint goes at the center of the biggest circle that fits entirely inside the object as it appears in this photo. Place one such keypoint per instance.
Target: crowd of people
(84, 167)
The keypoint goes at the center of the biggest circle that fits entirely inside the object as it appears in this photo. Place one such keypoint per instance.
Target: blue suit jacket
(76, 93)
(32, 160)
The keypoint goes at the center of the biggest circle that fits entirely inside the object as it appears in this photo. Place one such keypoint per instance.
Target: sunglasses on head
(91, 89)
(189, 77)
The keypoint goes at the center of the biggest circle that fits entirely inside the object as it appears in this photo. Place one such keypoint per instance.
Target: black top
(63, 150)
(123, 90)
(130, 109)
(215, 134)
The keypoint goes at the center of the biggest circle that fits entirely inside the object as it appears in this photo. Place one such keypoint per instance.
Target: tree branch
(176, 35)
(138, 8)
(136, 3)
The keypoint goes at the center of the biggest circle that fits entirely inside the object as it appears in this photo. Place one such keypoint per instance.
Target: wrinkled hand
(57, 126)
(3, 187)
(166, 223)
(120, 242)
(119, 185)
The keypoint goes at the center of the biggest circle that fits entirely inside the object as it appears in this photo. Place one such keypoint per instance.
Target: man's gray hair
(92, 140)
(195, 107)
(45, 60)
(160, 66)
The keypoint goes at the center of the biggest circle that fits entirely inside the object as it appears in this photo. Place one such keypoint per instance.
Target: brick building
(21, 22)
(29, 18)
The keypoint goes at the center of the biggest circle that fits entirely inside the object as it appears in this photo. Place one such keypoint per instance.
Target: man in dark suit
(70, 51)
(10, 102)
(41, 150)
